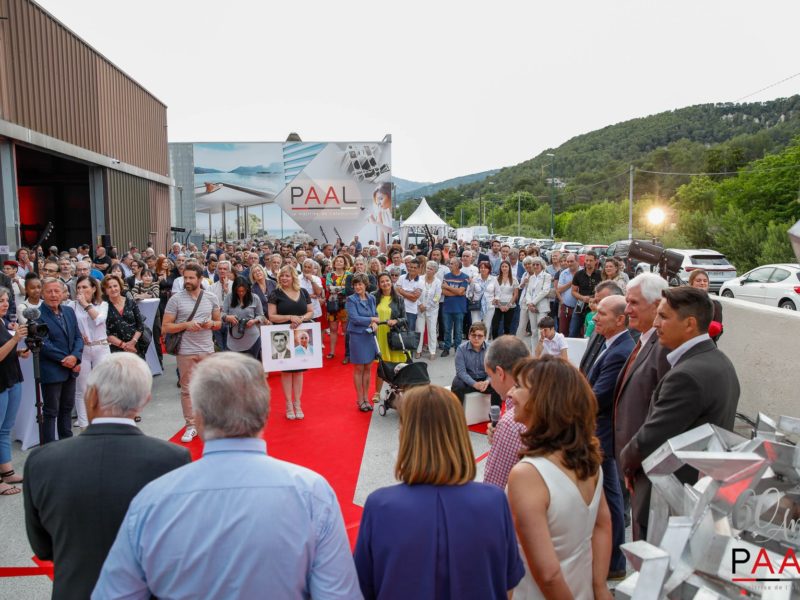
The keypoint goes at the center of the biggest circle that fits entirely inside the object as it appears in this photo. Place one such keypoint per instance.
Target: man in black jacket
(78, 490)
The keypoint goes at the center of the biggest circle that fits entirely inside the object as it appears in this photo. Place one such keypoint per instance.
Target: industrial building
(82, 145)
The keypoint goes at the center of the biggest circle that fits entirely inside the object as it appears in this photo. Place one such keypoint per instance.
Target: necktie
(631, 360)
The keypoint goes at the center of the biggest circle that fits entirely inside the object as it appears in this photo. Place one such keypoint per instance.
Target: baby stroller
(397, 377)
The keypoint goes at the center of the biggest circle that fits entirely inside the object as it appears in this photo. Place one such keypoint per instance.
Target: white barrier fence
(764, 345)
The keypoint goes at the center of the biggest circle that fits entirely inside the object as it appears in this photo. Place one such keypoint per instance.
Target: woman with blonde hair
(290, 303)
(335, 285)
(556, 490)
(613, 272)
(418, 539)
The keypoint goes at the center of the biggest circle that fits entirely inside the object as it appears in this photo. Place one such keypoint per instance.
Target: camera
(241, 326)
(37, 331)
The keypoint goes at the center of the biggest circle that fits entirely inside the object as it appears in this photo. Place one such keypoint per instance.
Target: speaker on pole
(105, 241)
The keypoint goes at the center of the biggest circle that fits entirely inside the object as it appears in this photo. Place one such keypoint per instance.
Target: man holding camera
(62, 348)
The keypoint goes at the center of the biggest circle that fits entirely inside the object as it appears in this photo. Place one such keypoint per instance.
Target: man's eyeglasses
(476, 335)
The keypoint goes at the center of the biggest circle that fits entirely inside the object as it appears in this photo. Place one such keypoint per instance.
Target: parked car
(620, 250)
(598, 249)
(564, 247)
(773, 285)
(718, 268)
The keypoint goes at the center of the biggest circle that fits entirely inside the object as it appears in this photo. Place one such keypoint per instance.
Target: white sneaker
(189, 435)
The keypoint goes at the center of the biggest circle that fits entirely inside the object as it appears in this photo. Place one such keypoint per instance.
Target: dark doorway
(54, 189)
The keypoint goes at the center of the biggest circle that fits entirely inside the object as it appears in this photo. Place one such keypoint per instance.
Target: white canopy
(423, 219)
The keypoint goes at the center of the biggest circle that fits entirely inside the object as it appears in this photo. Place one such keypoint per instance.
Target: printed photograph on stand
(285, 349)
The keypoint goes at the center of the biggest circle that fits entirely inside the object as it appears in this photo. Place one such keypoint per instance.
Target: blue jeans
(453, 325)
(9, 405)
(412, 321)
(576, 325)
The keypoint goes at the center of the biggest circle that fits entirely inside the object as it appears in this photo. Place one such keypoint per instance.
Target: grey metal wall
(51, 81)
(159, 216)
(181, 167)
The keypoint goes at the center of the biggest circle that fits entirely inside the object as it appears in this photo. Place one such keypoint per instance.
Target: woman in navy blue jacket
(362, 321)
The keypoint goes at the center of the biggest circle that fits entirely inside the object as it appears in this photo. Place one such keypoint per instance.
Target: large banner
(329, 189)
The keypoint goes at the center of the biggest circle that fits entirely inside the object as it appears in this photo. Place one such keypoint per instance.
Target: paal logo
(311, 199)
(745, 569)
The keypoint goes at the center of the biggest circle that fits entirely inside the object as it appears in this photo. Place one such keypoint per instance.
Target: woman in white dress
(91, 312)
(428, 307)
(505, 300)
(556, 490)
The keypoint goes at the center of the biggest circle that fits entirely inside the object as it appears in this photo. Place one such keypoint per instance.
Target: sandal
(364, 406)
(7, 477)
(346, 361)
(10, 491)
(329, 356)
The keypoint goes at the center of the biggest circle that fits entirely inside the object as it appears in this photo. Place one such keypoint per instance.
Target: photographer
(243, 313)
(11, 384)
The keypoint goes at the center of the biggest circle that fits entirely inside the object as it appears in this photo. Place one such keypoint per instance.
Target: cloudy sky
(461, 86)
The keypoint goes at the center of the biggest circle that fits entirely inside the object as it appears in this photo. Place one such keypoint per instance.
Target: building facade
(82, 145)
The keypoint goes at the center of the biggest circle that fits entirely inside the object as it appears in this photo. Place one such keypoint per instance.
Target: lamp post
(519, 225)
(552, 196)
(656, 217)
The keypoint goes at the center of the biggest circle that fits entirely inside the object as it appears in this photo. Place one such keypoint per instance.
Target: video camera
(669, 262)
(37, 331)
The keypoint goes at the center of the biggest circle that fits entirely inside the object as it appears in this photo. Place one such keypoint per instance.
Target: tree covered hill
(593, 167)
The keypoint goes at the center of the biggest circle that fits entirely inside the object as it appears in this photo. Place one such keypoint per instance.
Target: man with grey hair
(276, 528)
(637, 381)
(77, 491)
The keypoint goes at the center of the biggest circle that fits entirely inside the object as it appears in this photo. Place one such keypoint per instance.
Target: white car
(773, 285)
(715, 264)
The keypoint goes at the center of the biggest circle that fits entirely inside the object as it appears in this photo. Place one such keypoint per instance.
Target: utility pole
(519, 225)
(462, 216)
(480, 209)
(552, 197)
(630, 207)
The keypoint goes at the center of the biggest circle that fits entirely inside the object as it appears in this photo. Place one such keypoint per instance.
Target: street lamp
(656, 217)
(552, 196)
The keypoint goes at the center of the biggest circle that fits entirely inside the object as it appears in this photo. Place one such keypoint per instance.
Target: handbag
(332, 305)
(172, 341)
(403, 340)
(143, 343)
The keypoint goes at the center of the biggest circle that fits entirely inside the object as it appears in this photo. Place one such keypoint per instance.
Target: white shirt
(471, 271)
(608, 343)
(316, 309)
(554, 346)
(113, 420)
(92, 330)
(645, 337)
(431, 294)
(674, 356)
(410, 285)
(219, 290)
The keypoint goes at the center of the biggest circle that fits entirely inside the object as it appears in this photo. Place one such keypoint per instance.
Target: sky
(461, 86)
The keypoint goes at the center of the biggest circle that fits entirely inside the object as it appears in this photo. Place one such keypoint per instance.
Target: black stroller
(397, 377)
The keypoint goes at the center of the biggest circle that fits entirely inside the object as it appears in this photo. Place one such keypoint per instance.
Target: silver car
(773, 285)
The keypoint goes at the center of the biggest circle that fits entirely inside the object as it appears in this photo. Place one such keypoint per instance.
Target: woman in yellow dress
(392, 311)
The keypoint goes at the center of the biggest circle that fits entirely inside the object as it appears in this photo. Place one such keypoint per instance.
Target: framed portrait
(287, 349)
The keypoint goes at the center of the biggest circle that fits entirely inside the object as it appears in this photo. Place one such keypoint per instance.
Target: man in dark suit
(78, 491)
(611, 323)
(646, 365)
(603, 290)
(60, 361)
(701, 387)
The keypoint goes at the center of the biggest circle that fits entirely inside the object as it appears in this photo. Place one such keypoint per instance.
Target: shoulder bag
(172, 341)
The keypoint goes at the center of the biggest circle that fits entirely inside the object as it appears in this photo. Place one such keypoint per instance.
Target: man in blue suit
(611, 323)
(60, 361)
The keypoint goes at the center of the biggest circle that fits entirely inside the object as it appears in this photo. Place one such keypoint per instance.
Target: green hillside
(750, 154)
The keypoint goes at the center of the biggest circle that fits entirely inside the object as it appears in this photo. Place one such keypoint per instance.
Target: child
(588, 322)
(550, 342)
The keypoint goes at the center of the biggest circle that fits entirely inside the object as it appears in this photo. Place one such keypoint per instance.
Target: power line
(717, 173)
(771, 85)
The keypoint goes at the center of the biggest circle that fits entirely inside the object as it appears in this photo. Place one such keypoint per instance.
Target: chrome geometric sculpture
(736, 531)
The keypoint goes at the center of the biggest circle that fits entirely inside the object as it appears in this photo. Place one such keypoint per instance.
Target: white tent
(424, 220)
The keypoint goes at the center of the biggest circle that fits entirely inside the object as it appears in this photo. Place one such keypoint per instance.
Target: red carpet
(330, 440)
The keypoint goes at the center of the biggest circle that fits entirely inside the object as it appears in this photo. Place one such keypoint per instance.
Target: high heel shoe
(298, 411)
(290, 411)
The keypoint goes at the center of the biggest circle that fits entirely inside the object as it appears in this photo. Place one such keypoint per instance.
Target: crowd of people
(562, 477)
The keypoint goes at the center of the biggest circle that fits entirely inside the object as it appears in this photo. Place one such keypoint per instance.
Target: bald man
(611, 322)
